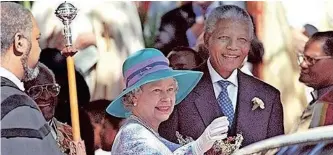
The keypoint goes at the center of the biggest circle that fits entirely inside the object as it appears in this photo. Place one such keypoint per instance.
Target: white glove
(217, 130)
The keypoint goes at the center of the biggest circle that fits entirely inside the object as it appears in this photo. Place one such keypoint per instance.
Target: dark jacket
(24, 130)
(173, 27)
(200, 108)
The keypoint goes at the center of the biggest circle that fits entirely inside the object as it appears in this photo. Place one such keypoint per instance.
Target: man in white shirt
(253, 107)
(24, 130)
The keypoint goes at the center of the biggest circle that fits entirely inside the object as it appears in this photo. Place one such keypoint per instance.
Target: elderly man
(44, 90)
(253, 107)
(317, 72)
(23, 127)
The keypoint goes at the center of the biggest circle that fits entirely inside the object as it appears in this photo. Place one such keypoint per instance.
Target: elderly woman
(152, 91)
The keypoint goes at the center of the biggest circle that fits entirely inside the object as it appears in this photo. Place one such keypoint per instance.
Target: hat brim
(187, 80)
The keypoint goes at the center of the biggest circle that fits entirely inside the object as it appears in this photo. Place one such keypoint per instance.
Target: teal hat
(149, 65)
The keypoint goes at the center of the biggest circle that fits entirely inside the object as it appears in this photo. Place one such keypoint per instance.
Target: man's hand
(68, 51)
(84, 40)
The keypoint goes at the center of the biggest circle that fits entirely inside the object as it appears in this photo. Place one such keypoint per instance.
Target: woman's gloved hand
(217, 130)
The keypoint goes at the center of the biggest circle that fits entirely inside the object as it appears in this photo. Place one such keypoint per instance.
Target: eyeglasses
(35, 91)
(310, 60)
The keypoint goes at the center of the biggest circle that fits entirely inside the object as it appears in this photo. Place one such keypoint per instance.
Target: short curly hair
(326, 37)
(128, 98)
(14, 18)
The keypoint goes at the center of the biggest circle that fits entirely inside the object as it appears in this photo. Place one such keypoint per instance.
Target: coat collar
(209, 109)
(206, 102)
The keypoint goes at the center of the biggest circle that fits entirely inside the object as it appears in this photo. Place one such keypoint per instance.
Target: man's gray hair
(231, 12)
(14, 18)
(43, 72)
(43, 69)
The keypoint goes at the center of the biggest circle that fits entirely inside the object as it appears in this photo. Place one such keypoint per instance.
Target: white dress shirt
(232, 88)
(102, 152)
(10, 76)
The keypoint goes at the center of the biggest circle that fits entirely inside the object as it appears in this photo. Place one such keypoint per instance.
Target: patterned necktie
(225, 102)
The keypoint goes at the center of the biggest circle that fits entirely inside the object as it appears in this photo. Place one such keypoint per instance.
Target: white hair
(232, 12)
(128, 98)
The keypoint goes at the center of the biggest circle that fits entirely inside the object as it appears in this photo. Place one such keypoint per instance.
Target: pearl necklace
(143, 123)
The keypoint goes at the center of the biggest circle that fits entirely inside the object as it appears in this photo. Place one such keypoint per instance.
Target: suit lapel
(251, 123)
(206, 102)
(244, 114)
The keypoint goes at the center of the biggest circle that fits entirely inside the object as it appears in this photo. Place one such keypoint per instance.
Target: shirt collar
(9, 75)
(322, 91)
(215, 77)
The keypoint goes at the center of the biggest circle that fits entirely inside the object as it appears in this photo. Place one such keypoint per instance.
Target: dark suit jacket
(24, 130)
(200, 108)
(173, 26)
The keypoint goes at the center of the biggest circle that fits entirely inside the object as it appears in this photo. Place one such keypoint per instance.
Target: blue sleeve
(191, 38)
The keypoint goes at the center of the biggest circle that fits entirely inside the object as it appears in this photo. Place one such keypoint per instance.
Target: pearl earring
(134, 104)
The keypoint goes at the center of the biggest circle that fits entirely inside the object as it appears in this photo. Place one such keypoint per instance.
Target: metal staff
(66, 12)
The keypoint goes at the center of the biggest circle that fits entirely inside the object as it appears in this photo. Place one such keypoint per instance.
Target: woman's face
(156, 101)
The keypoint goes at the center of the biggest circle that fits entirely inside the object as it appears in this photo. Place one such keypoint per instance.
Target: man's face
(44, 92)
(31, 56)
(97, 131)
(320, 73)
(183, 60)
(107, 135)
(228, 45)
(156, 101)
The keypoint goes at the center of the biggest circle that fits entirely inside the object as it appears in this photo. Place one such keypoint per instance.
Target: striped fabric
(323, 111)
(327, 110)
(135, 73)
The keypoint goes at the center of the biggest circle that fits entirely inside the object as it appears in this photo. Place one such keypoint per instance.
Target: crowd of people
(196, 82)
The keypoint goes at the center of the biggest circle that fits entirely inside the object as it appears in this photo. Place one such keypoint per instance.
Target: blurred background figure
(183, 25)
(111, 32)
(152, 11)
(255, 58)
(201, 47)
(184, 58)
(105, 126)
